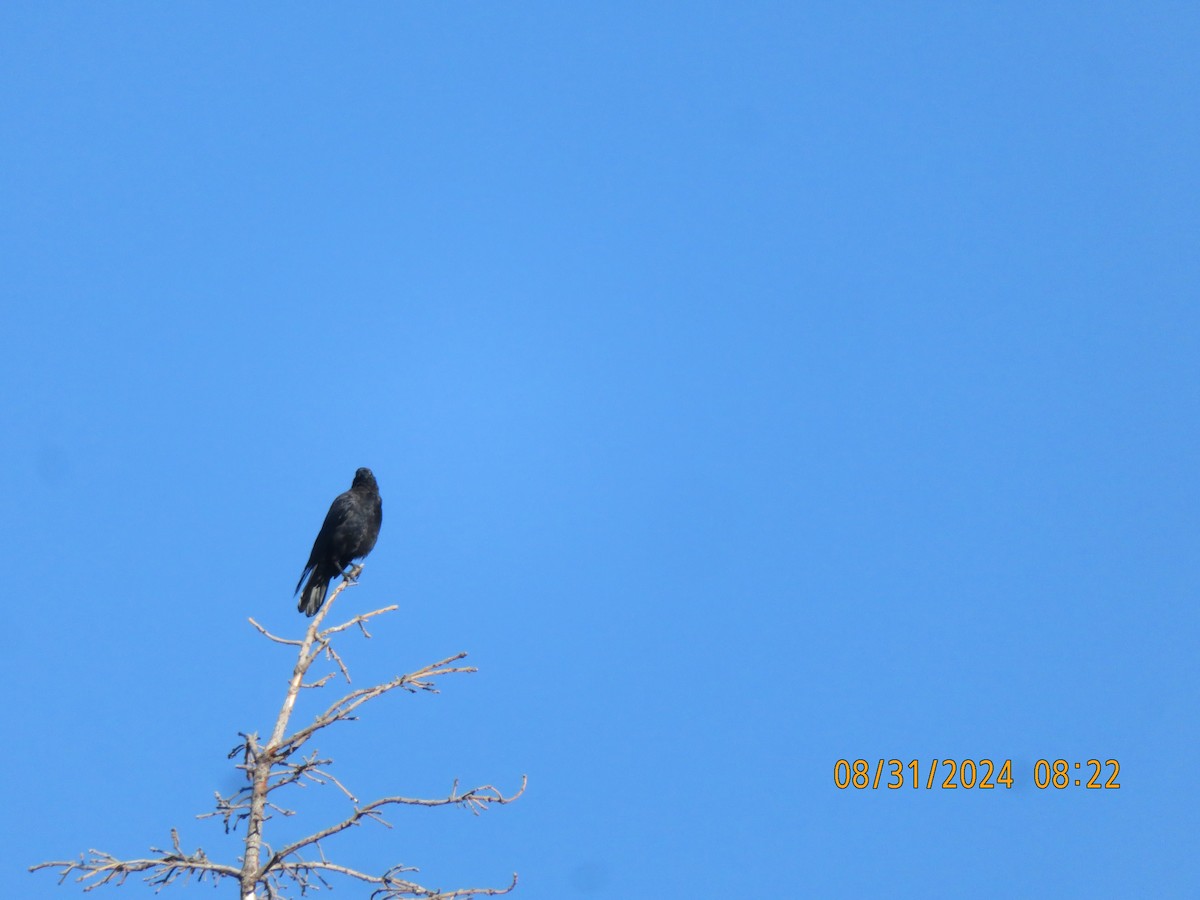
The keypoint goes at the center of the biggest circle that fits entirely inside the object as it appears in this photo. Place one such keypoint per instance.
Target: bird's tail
(314, 593)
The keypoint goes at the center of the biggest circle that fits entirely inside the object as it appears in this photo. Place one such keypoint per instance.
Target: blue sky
(749, 386)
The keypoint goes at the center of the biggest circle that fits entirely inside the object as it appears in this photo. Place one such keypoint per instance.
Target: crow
(350, 530)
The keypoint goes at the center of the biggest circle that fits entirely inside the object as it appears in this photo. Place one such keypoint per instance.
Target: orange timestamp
(983, 774)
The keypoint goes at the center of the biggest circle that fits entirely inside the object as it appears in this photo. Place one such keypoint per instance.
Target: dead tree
(264, 872)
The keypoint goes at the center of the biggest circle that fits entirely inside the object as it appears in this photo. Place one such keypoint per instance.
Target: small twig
(330, 653)
(289, 641)
(359, 620)
(316, 775)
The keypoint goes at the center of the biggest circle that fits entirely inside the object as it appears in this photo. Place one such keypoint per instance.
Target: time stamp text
(973, 774)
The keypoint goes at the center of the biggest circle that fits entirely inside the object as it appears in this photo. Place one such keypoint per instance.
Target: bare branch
(101, 868)
(415, 890)
(390, 884)
(476, 800)
(341, 709)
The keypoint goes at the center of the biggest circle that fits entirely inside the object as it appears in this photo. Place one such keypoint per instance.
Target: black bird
(350, 531)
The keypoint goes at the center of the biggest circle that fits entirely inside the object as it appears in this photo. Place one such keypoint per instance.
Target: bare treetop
(263, 872)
